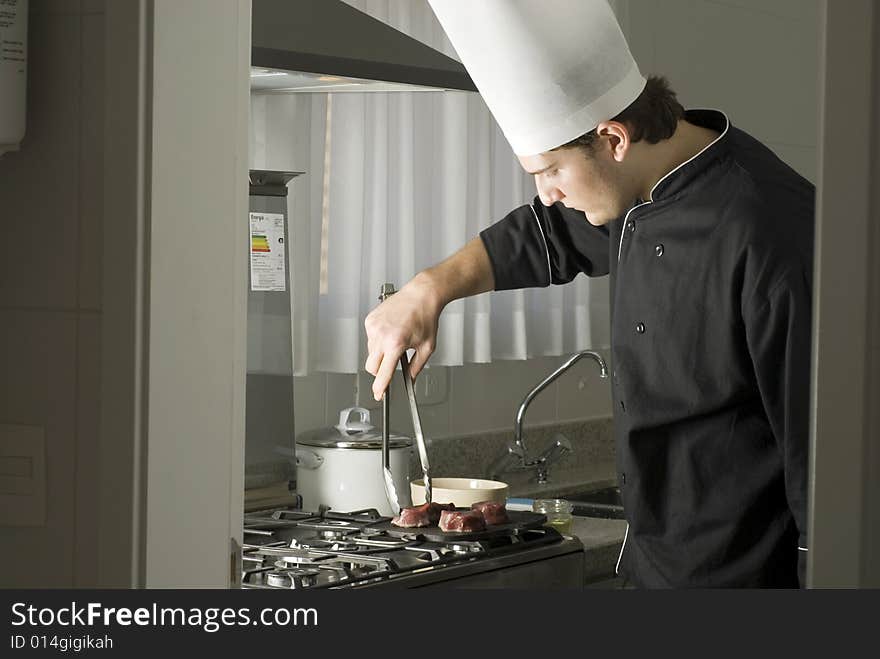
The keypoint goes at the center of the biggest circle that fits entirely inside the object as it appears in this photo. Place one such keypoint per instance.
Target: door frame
(175, 292)
(844, 532)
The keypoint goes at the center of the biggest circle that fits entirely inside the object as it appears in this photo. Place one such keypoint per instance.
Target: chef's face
(592, 180)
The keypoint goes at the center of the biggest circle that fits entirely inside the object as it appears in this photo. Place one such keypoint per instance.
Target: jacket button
(658, 249)
(631, 226)
(640, 328)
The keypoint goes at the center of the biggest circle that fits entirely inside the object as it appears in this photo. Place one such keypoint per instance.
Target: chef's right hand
(407, 319)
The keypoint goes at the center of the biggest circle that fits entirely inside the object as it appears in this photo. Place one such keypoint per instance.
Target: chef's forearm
(465, 273)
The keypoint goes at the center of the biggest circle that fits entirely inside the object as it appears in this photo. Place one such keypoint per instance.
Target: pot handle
(308, 459)
(303, 458)
(346, 425)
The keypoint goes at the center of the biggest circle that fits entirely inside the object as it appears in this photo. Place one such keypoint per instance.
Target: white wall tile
(486, 396)
(88, 456)
(523, 376)
(583, 393)
(269, 419)
(309, 401)
(482, 397)
(436, 416)
(476, 405)
(38, 388)
(39, 184)
(91, 168)
(435, 419)
(401, 420)
(340, 394)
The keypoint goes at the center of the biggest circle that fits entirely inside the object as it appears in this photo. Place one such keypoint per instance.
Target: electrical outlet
(23, 485)
(432, 385)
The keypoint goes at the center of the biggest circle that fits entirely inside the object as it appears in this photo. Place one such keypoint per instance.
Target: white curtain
(396, 182)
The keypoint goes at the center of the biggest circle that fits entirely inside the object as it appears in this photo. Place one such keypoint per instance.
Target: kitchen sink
(606, 503)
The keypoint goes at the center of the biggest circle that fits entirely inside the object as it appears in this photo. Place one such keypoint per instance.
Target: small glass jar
(558, 512)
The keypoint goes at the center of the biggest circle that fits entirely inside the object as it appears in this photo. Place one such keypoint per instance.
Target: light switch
(22, 475)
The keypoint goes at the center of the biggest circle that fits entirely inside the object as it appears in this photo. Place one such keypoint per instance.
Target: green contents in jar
(561, 525)
(558, 512)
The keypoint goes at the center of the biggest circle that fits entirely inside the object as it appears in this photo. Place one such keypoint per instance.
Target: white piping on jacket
(623, 230)
(620, 555)
(669, 173)
(546, 248)
(803, 549)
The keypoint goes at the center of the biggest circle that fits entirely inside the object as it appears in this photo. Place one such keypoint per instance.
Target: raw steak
(428, 514)
(462, 520)
(493, 512)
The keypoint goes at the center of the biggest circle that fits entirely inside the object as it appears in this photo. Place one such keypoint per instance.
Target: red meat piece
(462, 520)
(493, 512)
(428, 514)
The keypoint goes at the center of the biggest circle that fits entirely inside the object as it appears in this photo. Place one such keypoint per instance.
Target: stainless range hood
(331, 38)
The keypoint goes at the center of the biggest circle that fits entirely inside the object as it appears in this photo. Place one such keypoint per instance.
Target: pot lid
(352, 433)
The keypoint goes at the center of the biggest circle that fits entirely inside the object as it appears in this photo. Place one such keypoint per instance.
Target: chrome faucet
(514, 456)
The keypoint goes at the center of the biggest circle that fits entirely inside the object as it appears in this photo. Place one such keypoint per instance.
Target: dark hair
(653, 116)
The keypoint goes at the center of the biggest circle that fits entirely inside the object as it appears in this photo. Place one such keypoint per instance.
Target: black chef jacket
(711, 285)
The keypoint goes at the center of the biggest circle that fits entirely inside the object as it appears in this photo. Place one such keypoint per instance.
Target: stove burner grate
(292, 578)
(290, 549)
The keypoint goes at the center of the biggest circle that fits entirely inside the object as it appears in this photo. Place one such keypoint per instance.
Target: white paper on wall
(13, 72)
(267, 252)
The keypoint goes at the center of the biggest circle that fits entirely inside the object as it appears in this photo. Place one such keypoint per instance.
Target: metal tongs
(390, 490)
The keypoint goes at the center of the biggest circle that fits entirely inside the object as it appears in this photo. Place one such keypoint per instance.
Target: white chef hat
(549, 70)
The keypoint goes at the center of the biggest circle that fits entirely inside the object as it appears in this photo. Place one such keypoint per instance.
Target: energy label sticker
(267, 252)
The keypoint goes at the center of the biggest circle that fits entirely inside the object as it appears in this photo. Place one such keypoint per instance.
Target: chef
(708, 240)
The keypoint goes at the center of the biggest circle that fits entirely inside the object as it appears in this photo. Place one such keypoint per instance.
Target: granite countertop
(596, 475)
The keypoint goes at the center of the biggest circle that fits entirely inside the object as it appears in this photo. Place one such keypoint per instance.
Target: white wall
(50, 290)
(757, 60)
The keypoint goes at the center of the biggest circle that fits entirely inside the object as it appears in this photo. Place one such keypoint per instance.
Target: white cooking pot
(341, 467)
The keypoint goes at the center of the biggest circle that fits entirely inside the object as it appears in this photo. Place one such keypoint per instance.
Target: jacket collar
(677, 179)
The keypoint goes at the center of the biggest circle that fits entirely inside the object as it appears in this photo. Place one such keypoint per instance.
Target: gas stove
(293, 549)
